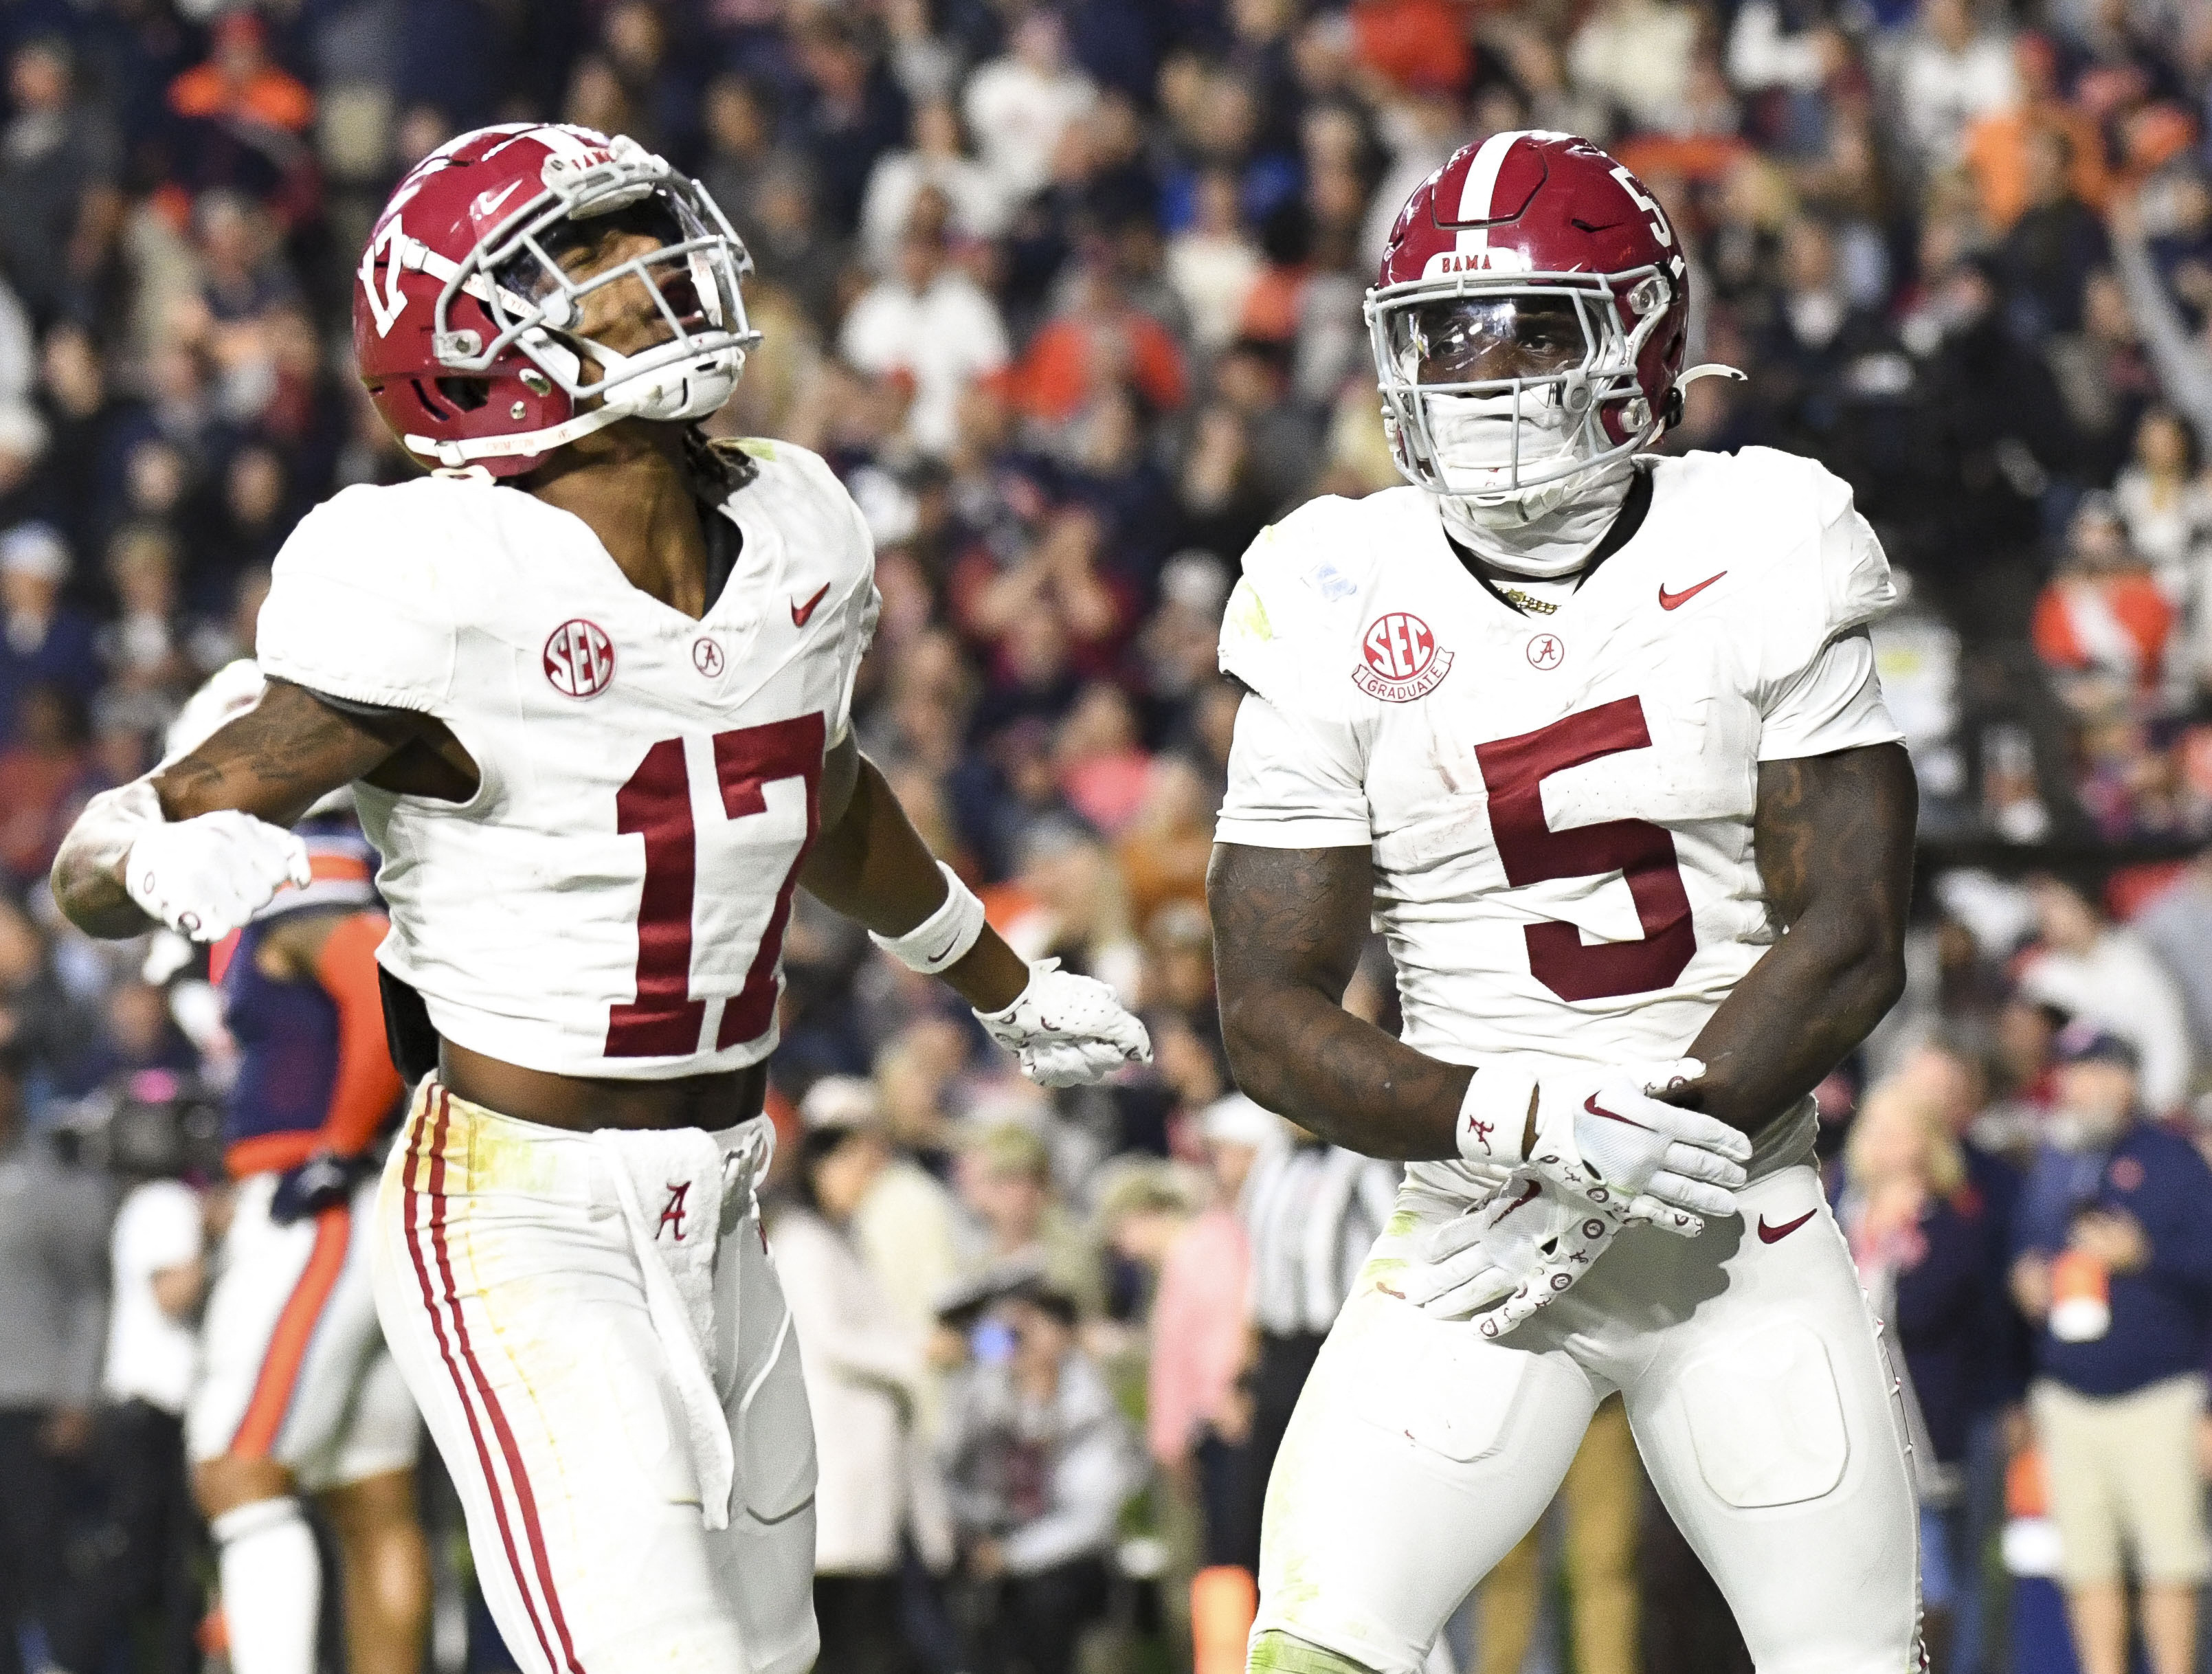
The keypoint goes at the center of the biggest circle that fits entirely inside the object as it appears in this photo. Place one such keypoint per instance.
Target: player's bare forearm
(1288, 926)
(1833, 839)
(869, 864)
(277, 758)
(271, 762)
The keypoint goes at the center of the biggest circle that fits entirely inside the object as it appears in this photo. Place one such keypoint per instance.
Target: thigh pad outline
(1438, 1383)
(1766, 1420)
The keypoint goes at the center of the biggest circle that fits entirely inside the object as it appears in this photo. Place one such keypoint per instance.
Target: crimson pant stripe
(452, 1369)
(516, 1474)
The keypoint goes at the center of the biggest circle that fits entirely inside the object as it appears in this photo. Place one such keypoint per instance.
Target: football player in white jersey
(591, 680)
(1596, 736)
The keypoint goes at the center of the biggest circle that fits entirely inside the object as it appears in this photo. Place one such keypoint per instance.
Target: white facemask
(1542, 531)
(688, 389)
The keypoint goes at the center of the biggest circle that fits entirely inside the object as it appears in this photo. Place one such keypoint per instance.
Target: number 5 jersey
(611, 901)
(1559, 803)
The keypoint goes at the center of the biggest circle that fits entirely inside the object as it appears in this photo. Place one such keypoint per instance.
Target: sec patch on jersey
(1403, 659)
(579, 658)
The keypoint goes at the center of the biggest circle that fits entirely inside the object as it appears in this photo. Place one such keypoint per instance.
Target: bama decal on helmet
(1446, 263)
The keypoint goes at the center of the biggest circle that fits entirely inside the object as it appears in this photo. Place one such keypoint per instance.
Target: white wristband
(942, 939)
(1493, 1117)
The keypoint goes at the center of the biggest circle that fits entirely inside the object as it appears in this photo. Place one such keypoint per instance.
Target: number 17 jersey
(611, 901)
(1558, 803)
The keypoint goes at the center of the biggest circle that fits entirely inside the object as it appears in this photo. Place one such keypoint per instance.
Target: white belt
(671, 1185)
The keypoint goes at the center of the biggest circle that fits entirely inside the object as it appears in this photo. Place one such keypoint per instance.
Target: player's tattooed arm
(1833, 839)
(869, 863)
(1288, 926)
(272, 762)
(277, 758)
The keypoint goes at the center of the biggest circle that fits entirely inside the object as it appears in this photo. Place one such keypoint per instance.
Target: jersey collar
(1634, 507)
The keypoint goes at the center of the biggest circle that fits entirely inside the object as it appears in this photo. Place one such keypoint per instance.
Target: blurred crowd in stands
(1070, 294)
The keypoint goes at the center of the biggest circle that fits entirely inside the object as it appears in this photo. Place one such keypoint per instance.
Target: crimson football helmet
(465, 321)
(1529, 321)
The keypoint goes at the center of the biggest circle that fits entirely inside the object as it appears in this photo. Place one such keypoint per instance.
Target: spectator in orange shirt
(2102, 620)
(244, 121)
(1413, 43)
(1098, 339)
(1996, 145)
(1164, 851)
(239, 82)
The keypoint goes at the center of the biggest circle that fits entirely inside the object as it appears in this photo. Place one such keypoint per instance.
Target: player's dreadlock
(719, 468)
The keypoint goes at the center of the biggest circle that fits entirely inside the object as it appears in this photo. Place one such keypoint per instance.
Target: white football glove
(208, 875)
(1505, 1259)
(1066, 1030)
(1520, 1250)
(1600, 1136)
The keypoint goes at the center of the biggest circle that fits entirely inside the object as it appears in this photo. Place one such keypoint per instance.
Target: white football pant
(599, 1343)
(1763, 1405)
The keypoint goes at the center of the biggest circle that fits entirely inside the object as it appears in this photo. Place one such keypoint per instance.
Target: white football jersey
(1558, 805)
(612, 900)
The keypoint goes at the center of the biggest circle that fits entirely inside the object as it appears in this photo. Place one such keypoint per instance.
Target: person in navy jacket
(2113, 1262)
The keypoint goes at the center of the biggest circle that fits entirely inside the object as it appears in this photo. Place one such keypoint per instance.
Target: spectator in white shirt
(1948, 71)
(1039, 1461)
(144, 1581)
(929, 322)
(975, 201)
(1021, 105)
(864, 1369)
(1213, 263)
(1637, 54)
(53, 1257)
(2090, 968)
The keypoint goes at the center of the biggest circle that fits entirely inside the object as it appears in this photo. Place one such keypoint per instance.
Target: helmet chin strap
(1543, 532)
(673, 394)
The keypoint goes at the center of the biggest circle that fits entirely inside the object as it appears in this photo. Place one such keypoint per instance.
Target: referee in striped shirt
(1312, 1212)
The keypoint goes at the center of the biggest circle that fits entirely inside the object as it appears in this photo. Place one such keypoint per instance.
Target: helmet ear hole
(465, 393)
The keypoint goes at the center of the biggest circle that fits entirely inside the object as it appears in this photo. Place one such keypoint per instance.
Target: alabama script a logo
(672, 1213)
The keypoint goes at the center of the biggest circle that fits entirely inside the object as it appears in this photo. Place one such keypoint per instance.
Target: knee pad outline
(1278, 1652)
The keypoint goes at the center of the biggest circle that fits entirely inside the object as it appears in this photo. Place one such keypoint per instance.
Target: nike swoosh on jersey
(1592, 1105)
(1674, 601)
(802, 614)
(1775, 1234)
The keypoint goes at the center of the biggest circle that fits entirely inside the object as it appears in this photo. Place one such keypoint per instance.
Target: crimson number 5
(1514, 769)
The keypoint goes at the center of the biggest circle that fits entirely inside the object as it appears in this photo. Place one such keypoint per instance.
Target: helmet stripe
(1481, 186)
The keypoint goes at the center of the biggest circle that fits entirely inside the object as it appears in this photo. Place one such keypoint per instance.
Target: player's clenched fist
(1066, 1030)
(208, 875)
(1596, 1132)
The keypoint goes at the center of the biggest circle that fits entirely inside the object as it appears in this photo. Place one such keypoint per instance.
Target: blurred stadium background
(1070, 295)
